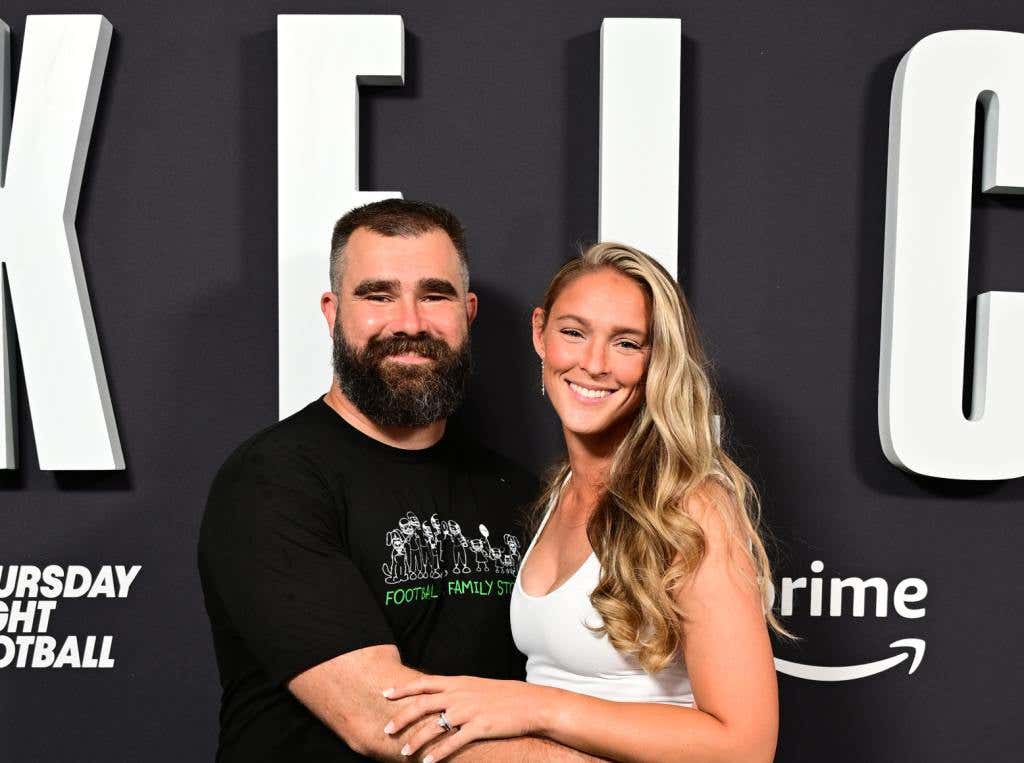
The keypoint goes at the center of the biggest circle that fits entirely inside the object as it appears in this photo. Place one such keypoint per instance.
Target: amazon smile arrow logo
(817, 596)
(910, 646)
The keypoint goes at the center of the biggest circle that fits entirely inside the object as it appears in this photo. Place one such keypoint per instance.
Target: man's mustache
(424, 345)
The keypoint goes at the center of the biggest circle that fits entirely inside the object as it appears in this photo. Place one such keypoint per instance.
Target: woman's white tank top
(561, 652)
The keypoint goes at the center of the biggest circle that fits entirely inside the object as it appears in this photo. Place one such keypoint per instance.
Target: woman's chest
(558, 554)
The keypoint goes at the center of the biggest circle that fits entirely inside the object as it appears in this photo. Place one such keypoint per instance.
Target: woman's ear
(537, 321)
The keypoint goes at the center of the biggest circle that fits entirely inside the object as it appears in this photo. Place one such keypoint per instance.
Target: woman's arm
(728, 657)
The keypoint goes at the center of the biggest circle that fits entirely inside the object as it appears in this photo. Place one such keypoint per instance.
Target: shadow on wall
(368, 129)
(500, 409)
(580, 157)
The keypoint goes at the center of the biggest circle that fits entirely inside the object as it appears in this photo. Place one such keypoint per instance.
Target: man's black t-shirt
(318, 540)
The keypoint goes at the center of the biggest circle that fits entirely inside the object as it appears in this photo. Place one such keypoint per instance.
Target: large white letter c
(927, 247)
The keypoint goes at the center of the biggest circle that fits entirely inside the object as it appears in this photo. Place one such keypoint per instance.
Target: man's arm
(345, 693)
(270, 555)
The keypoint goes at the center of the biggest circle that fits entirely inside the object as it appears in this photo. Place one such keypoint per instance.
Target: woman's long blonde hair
(647, 544)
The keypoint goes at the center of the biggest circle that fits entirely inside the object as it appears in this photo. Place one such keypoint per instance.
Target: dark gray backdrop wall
(785, 128)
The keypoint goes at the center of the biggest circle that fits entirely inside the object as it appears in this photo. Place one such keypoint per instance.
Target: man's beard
(403, 394)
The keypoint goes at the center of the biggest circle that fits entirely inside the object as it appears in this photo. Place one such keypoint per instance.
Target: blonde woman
(642, 602)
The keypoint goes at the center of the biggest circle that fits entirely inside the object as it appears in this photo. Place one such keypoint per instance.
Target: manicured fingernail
(388, 692)
(406, 750)
(429, 759)
(389, 728)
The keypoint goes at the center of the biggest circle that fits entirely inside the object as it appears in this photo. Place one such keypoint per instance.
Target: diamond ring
(443, 722)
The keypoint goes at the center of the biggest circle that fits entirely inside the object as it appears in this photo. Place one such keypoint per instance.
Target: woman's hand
(476, 708)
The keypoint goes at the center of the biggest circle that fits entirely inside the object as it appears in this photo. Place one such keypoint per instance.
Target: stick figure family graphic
(434, 548)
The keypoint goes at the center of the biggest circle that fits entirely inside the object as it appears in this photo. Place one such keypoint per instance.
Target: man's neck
(406, 438)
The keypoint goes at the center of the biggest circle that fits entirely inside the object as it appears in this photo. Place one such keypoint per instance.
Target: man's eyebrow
(438, 286)
(586, 324)
(371, 286)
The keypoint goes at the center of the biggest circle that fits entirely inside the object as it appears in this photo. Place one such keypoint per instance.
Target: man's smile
(409, 357)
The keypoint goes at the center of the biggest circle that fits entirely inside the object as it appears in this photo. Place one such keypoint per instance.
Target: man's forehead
(406, 259)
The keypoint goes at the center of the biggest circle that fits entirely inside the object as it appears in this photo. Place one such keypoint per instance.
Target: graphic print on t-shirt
(436, 548)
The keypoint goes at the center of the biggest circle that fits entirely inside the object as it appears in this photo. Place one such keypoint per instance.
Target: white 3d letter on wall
(320, 61)
(927, 238)
(639, 165)
(62, 64)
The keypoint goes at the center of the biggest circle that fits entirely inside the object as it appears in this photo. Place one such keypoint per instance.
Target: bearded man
(313, 556)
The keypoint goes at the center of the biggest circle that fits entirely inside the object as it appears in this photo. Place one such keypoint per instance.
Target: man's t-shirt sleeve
(271, 557)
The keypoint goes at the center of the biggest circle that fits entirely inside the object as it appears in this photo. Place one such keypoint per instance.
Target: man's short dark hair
(396, 217)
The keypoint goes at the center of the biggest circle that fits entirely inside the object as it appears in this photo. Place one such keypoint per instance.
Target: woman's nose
(594, 360)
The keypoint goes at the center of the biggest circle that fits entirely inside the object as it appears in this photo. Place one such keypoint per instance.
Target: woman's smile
(589, 395)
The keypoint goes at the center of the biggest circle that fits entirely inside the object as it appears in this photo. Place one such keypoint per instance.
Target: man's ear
(471, 307)
(329, 307)
(537, 321)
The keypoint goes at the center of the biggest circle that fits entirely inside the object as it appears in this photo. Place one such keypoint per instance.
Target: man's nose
(407, 319)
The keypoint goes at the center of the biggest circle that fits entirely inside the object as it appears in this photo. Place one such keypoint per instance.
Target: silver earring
(542, 378)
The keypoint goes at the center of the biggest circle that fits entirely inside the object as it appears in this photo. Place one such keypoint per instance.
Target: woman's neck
(590, 458)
